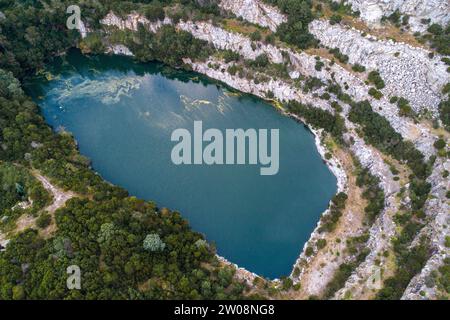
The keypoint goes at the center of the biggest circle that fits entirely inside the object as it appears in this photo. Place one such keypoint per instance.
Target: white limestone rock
(225, 40)
(437, 11)
(437, 209)
(407, 71)
(132, 20)
(119, 49)
(255, 12)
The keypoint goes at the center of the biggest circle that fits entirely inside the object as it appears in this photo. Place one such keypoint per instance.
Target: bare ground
(60, 197)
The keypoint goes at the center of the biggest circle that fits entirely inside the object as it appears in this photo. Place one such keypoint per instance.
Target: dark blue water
(122, 115)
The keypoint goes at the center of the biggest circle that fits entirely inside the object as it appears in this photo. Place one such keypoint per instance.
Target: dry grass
(323, 53)
(236, 26)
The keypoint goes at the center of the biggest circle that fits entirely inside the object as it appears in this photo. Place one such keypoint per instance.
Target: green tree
(153, 243)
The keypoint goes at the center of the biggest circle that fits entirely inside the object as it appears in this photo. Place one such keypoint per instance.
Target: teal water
(122, 114)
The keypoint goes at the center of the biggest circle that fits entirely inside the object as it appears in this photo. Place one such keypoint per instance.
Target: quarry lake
(122, 115)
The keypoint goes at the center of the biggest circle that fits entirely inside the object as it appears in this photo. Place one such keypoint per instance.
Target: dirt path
(59, 196)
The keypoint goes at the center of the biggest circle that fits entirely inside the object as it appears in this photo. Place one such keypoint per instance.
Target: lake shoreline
(332, 165)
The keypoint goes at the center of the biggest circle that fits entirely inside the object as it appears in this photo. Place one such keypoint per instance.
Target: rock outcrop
(382, 230)
(436, 11)
(437, 209)
(302, 63)
(407, 71)
(132, 21)
(255, 12)
(119, 49)
(226, 40)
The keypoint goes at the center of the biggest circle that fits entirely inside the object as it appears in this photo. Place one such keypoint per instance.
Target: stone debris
(437, 11)
(407, 71)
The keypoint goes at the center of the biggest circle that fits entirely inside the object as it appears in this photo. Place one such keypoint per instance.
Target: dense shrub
(375, 78)
(333, 124)
(339, 55)
(358, 68)
(378, 132)
(295, 30)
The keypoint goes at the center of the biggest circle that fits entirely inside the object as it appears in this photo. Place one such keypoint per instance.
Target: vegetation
(409, 261)
(17, 185)
(372, 193)
(379, 133)
(295, 30)
(355, 247)
(343, 58)
(152, 251)
(330, 220)
(358, 68)
(180, 44)
(335, 19)
(375, 93)
(439, 38)
(405, 109)
(375, 78)
(444, 113)
(319, 64)
(126, 248)
(333, 124)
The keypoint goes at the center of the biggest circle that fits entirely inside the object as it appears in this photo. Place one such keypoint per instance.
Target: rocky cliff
(407, 71)
(437, 11)
(256, 12)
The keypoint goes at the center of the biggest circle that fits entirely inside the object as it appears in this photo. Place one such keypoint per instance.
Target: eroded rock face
(119, 49)
(382, 230)
(301, 63)
(82, 29)
(437, 209)
(132, 21)
(255, 12)
(226, 40)
(438, 11)
(407, 71)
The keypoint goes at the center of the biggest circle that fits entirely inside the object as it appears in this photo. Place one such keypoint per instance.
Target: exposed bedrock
(438, 11)
(132, 22)
(305, 64)
(255, 12)
(407, 71)
(437, 209)
(302, 63)
(382, 230)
